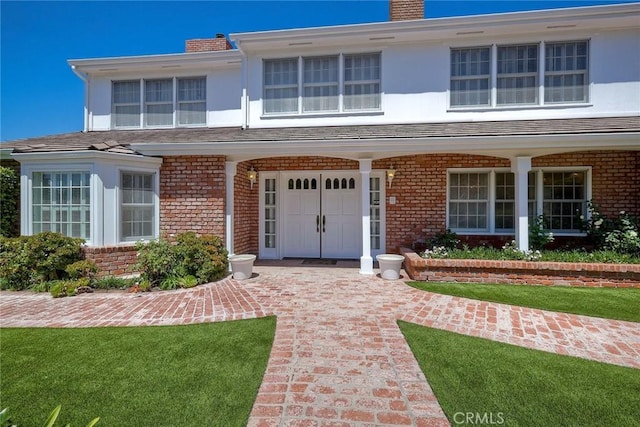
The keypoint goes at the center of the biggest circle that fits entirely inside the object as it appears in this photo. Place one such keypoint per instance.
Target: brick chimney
(405, 10)
(208, 45)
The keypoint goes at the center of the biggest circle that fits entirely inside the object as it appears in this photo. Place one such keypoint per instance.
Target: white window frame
(156, 202)
(142, 103)
(541, 74)
(301, 85)
(539, 200)
(148, 103)
(470, 77)
(179, 103)
(584, 73)
(518, 74)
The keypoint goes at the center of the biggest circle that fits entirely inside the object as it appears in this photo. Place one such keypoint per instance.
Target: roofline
(209, 58)
(375, 148)
(57, 156)
(547, 15)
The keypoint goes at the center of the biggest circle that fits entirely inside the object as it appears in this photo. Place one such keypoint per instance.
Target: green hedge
(9, 195)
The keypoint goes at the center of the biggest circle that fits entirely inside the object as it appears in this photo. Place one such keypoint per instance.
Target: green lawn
(522, 387)
(610, 303)
(195, 375)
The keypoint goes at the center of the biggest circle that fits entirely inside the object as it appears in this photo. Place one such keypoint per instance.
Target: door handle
(324, 222)
(317, 223)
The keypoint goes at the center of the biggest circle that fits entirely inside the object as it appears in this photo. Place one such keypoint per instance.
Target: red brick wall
(521, 272)
(207, 45)
(192, 195)
(406, 9)
(112, 260)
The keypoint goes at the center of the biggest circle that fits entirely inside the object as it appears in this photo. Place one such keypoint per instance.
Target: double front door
(322, 215)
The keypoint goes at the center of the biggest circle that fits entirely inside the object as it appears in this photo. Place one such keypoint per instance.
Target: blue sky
(40, 95)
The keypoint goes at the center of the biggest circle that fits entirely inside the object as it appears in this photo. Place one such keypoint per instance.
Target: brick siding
(192, 195)
(521, 272)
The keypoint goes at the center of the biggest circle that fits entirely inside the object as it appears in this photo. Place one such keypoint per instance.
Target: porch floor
(338, 354)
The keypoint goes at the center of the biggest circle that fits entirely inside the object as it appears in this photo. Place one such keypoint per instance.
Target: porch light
(251, 175)
(391, 173)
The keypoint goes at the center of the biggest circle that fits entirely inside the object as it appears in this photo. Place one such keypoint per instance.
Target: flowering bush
(538, 235)
(620, 234)
(512, 252)
(435, 252)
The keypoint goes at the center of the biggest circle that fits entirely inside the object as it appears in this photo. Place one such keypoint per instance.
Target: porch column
(520, 166)
(230, 173)
(366, 261)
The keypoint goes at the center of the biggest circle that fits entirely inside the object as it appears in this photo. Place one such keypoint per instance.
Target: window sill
(322, 114)
(517, 107)
(512, 233)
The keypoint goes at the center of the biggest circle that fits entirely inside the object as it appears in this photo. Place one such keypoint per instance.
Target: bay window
(61, 202)
(137, 206)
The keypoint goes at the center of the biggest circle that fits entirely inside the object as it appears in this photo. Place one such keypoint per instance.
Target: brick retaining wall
(521, 272)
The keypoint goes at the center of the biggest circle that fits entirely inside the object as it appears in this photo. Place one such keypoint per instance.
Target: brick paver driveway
(338, 357)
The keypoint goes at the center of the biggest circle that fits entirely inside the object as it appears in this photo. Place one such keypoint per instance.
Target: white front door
(322, 215)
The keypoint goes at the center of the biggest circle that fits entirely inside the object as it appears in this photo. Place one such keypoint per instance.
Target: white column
(230, 173)
(520, 166)
(366, 261)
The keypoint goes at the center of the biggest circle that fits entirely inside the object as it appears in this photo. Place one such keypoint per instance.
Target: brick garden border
(521, 272)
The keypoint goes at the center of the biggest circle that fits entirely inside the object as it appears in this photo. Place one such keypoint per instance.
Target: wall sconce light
(251, 175)
(391, 173)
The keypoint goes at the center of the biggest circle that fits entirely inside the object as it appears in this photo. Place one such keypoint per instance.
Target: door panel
(342, 236)
(301, 210)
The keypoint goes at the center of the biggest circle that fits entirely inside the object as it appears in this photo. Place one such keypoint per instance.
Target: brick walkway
(338, 356)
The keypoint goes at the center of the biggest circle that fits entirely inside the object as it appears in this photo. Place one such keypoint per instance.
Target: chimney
(405, 10)
(220, 42)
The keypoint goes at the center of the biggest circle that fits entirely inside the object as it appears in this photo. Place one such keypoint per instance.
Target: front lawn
(195, 375)
(611, 303)
(483, 382)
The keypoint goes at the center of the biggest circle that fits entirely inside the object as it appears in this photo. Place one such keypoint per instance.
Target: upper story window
(509, 75)
(565, 72)
(159, 102)
(332, 83)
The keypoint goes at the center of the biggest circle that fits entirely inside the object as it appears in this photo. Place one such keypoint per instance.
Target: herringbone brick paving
(339, 358)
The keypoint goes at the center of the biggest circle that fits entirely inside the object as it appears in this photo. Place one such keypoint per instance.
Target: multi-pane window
(374, 211)
(192, 101)
(512, 74)
(126, 103)
(160, 98)
(468, 200)
(564, 199)
(362, 81)
(158, 102)
(137, 205)
(61, 202)
(504, 204)
(470, 76)
(565, 74)
(517, 74)
(270, 213)
(281, 85)
(320, 84)
(485, 201)
(328, 84)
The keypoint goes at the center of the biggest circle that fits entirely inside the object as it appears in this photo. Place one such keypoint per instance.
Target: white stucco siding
(224, 90)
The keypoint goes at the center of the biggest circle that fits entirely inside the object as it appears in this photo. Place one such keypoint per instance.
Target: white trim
(264, 252)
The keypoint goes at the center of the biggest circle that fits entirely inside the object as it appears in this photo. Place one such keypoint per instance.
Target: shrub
(112, 282)
(169, 266)
(156, 260)
(446, 239)
(9, 195)
(621, 234)
(85, 268)
(28, 260)
(538, 235)
(67, 288)
(204, 257)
